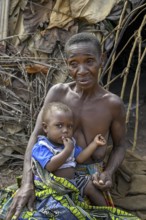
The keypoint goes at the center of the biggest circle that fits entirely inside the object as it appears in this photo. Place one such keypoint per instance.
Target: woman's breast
(80, 138)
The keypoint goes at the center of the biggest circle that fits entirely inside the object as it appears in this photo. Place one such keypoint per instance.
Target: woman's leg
(95, 196)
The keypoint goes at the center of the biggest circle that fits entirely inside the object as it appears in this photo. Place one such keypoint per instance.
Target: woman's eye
(73, 64)
(90, 61)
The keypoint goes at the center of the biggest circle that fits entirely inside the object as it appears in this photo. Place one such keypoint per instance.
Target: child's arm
(59, 159)
(88, 151)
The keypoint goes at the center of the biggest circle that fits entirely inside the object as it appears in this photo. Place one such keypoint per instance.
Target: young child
(58, 152)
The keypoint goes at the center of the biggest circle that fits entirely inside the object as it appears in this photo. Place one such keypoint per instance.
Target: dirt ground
(11, 169)
(8, 173)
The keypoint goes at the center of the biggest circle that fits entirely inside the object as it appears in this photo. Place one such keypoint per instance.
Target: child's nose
(65, 129)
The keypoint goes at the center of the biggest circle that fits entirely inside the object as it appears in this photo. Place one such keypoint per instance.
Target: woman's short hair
(84, 37)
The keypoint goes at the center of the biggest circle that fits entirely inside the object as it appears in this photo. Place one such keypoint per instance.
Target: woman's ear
(44, 125)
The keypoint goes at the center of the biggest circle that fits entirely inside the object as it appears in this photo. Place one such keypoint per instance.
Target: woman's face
(83, 62)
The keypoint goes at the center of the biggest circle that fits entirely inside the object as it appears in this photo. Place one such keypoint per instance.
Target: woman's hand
(102, 181)
(25, 196)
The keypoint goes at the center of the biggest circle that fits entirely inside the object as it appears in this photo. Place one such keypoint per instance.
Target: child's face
(59, 125)
(84, 62)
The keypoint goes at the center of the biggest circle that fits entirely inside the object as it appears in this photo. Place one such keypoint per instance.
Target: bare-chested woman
(96, 111)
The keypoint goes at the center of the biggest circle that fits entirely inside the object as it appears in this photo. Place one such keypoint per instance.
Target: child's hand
(68, 143)
(100, 140)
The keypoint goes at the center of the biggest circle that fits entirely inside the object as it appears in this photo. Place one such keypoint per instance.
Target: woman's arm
(26, 194)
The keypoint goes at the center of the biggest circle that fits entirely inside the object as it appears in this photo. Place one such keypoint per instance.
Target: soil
(8, 173)
(11, 169)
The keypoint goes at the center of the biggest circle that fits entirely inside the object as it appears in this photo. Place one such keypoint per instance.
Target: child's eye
(59, 126)
(70, 126)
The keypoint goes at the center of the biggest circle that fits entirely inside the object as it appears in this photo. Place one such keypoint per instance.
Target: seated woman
(95, 111)
(60, 190)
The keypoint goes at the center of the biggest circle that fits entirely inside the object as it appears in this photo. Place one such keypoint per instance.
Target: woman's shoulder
(62, 86)
(112, 98)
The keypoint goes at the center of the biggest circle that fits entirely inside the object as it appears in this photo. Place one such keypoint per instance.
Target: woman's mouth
(83, 80)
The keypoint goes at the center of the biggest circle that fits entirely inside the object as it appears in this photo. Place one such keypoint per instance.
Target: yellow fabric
(93, 11)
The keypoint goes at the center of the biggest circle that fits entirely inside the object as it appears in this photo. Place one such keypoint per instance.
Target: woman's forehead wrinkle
(71, 55)
(81, 49)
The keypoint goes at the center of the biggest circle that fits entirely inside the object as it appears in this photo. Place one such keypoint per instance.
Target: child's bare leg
(95, 195)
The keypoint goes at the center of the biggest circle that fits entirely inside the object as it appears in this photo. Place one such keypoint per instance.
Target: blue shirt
(44, 150)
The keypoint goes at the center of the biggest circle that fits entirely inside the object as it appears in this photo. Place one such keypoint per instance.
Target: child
(59, 153)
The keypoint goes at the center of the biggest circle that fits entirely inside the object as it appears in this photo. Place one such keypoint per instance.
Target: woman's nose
(82, 69)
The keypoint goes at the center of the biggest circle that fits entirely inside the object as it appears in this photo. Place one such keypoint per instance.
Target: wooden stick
(119, 27)
(136, 72)
(133, 85)
(126, 70)
(137, 84)
(4, 14)
(126, 24)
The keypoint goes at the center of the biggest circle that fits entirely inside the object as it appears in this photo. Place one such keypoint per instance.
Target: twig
(137, 84)
(137, 70)
(127, 20)
(126, 70)
(133, 85)
(116, 40)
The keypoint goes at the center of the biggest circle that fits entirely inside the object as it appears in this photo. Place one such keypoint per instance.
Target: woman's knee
(89, 188)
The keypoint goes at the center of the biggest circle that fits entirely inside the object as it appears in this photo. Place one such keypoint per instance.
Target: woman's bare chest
(94, 116)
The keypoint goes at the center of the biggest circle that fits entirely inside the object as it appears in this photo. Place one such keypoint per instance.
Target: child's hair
(84, 37)
(55, 106)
